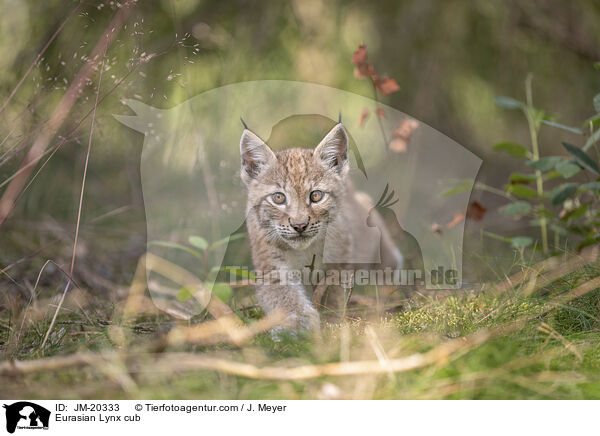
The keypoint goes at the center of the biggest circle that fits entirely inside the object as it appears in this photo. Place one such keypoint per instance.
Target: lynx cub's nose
(300, 227)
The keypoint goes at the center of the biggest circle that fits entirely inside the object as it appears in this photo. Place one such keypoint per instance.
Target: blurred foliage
(569, 211)
(449, 60)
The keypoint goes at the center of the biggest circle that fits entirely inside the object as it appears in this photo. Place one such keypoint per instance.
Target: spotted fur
(276, 245)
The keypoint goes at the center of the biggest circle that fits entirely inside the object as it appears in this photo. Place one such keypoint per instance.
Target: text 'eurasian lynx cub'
(298, 198)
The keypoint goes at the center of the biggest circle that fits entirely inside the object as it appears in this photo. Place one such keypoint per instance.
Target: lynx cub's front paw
(297, 324)
(299, 311)
(306, 319)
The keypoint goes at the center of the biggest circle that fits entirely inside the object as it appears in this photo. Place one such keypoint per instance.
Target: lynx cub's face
(294, 193)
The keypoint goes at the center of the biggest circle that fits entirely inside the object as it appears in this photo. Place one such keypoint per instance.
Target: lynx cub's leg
(291, 299)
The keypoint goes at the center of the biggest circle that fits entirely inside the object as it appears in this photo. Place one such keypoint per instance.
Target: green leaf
(184, 294)
(559, 229)
(460, 185)
(178, 247)
(537, 222)
(198, 242)
(591, 185)
(456, 190)
(518, 208)
(582, 157)
(592, 140)
(509, 103)
(544, 163)
(226, 240)
(521, 178)
(597, 102)
(552, 175)
(567, 169)
(590, 240)
(540, 116)
(521, 242)
(578, 212)
(575, 130)
(594, 120)
(579, 229)
(521, 191)
(562, 192)
(240, 272)
(512, 148)
(496, 236)
(541, 212)
(222, 291)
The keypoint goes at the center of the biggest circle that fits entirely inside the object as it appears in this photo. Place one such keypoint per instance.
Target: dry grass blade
(579, 291)
(549, 270)
(552, 333)
(85, 168)
(61, 112)
(223, 330)
(185, 278)
(38, 57)
(192, 362)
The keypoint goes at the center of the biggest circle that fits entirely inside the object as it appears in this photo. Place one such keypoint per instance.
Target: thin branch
(381, 128)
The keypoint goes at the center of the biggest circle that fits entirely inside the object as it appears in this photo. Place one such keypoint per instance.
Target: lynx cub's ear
(332, 151)
(255, 155)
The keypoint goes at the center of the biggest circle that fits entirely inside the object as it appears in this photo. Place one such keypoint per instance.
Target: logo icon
(196, 200)
(26, 415)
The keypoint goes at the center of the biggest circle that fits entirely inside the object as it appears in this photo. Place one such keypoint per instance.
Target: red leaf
(402, 135)
(398, 145)
(406, 128)
(386, 85)
(362, 67)
(458, 217)
(364, 114)
(364, 70)
(380, 112)
(360, 55)
(476, 211)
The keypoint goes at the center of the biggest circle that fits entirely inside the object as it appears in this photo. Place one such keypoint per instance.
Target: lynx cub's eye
(278, 198)
(316, 196)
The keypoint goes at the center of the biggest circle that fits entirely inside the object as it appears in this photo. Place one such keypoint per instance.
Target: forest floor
(535, 335)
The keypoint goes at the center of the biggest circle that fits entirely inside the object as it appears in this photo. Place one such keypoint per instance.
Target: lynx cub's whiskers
(297, 199)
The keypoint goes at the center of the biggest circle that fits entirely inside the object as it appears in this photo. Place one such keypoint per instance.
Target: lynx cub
(297, 197)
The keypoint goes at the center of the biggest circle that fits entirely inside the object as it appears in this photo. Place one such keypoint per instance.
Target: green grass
(554, 355)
